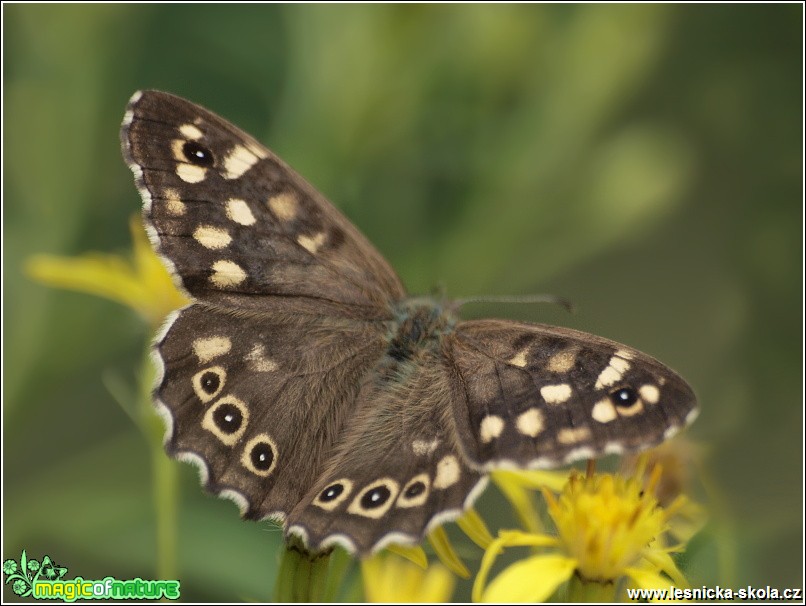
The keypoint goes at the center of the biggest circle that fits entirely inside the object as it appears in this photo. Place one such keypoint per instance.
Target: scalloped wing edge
(397, 538)
(145, 195)
(188, 456)
(584, 452)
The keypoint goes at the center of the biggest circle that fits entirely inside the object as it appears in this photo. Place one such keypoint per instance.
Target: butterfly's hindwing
(541, 396)
(397, 471)
(238, 225)
(258, 402)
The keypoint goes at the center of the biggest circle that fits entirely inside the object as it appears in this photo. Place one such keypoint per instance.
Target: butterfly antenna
(564, 303)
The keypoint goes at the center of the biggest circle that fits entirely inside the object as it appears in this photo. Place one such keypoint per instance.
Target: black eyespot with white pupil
(331, 492)
(375, 497)
(624, 397)
(197, 154)
(414, 490)
(262, 456)
(228, 418)
(210, 382)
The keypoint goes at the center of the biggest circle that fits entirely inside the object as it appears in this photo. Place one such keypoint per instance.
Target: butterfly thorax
(420, 324)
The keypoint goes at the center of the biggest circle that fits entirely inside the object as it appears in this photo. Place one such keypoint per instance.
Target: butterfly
(311, 389)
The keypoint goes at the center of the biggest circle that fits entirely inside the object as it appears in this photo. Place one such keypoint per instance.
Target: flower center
(606, 522)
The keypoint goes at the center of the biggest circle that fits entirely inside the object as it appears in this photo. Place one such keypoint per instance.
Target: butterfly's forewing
(538, 396)
(258, 401)
(238, 225)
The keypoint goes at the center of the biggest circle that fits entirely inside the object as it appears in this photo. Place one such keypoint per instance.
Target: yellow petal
(413, 553)
(388, 578)
(520, 499)
(534, 479)
(506, 538)
(445, 552)
(102, 275)
(437, 586)
(645, 578)
(534, 579)
(664, 562)
(474, 527)
(144, 284)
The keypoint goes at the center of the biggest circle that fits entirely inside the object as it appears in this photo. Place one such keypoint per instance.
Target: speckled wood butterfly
(310, 388)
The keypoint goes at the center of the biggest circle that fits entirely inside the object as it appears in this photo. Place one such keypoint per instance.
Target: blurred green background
(643, 161)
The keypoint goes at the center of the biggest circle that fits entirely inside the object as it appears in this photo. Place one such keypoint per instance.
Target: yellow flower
(610, 528)
(389, 578)
(141, 283)
(677, 458)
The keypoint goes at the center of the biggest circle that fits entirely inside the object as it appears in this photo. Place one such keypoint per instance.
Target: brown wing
(530, 395)
(397, 472)
(234, 221)
(257, 403)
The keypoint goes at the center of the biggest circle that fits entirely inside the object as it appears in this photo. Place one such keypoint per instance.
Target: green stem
(340, 562)
(303, 576)
(164, 477)
(580, 590)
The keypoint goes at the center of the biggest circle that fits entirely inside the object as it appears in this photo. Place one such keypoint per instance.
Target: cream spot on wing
(692, 416)
(227, 273)
(448, 472)
(312, 244)
(556, 394)
(333, 494)
(284, 206)
(613, 372)
(238, 161)
(649, 393)
(260, 455)
(530, 423)
(490, 428)
(519, 359)
(604, 411)
(209, 348)
(562, 361)
(238, 210)
(190, 131)
(415, 492)
(572, 435)
(212, 237)
(258, 361)
(227, 419)
(173, 203)
(190, 173)
(178, 150)
(623, 353)
(376, 499)
(670, 432)
(423, 447)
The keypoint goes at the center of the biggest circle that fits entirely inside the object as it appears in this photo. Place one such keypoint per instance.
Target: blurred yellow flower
(389, 578)
(141, 283)
(677, 458)
(470, 523)
(610, 528)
